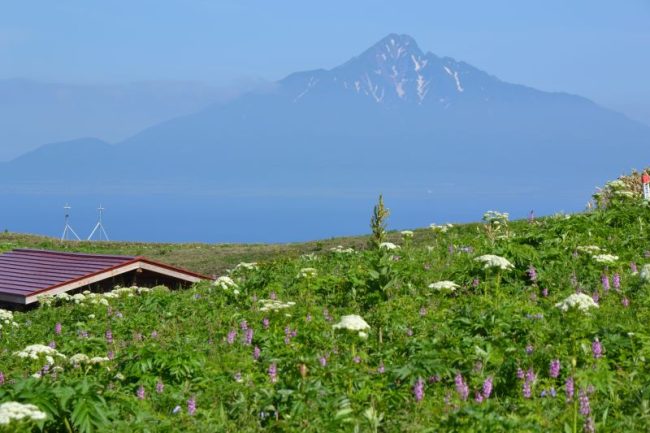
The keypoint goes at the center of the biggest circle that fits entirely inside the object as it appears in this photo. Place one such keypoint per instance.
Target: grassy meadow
(520, 326)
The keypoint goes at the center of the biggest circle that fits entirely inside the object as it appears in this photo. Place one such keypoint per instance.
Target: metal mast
(68, 232)
(99, 227)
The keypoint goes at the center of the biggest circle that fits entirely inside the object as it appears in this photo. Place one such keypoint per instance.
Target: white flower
(492, 261)
(34, 351)
(645, 273)
(440, 228)
(225, 283)
(12, 410)
(340, 250)
(245, 266)
(407, 233)
(363, 335)
(98, 359)
(352, 322)
(309, 257)
(274, 304)
(494, 217)
(578, 300)
(78, 359)
(588, 249)
(6, 315)
(444, 285)
(308, 273)
(605, 258)
(388, 246)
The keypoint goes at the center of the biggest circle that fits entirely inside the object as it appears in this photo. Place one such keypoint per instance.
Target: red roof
(25, 273)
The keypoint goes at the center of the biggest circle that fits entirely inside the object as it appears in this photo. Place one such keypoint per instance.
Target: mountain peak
(395, 46)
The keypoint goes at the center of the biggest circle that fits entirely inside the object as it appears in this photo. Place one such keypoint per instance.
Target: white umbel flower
(388, 246)
(275, 304)
(577, 300)
(340, 250)
(444, 285)
(605, 258)
(34, 351)
(78, 359)
(492, 261)
(588, 249)
(407, 233)
(645, 273)
(225, 283)
(308, 273)
(13, 410)
(352, 322)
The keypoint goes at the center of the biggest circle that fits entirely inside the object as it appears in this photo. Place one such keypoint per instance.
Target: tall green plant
(378, 223)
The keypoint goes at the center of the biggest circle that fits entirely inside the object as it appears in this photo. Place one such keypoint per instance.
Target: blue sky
(596, 48)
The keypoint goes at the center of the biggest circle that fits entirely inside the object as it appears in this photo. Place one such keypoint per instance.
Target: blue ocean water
(258, 218)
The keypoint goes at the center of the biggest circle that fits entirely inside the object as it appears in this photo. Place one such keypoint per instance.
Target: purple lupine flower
(633, 267)
(531, 216)
(554, 368)
(520, 373)
(266, 322)
(52, 344)
(418, 389)
(461, 386)
(83, 334)
(605, 281)
(256, 353)
(616, 281)
(478, 366)
(433, 379)
(553, 392)
(532, 273)
(475, 282)
(273, 296)
(237, 377)
(381, 368)
(478, 397)
(569, 388)
(154, 334)
(243, 325)
(529, 379)
(110, 355)
(308, 318)
(423, 312)
(589, 426)
(191, 405)
(529, 349)
(625, 302)
(545, 292)
(323, 361)
(595, 296)
(357, 359)
(160, 387)
(140, 393)
(273, 372)
(450, 248)
(585, 408)
(57, 328)
(327, 315)
(487, 387)
(409, 332)
(597, 349)
(249, 336)
(109, 336)
(2, 378)
(231, 336)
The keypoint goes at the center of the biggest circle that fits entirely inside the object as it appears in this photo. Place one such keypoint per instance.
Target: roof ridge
(68, 253)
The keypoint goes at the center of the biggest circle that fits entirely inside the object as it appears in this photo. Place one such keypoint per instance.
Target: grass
(423, 366)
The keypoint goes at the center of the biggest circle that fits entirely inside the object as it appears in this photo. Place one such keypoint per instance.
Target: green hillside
(459, 329)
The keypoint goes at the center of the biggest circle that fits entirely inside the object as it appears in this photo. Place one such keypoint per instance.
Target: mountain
(33, 113)
(393, 118)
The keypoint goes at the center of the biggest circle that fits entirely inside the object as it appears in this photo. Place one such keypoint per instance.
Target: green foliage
(171, 347)
(378, 223)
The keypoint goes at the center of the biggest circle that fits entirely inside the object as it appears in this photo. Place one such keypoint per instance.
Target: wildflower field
(537, 325)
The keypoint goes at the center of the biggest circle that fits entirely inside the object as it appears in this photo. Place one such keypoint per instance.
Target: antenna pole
(99, 227)
(67, 229)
